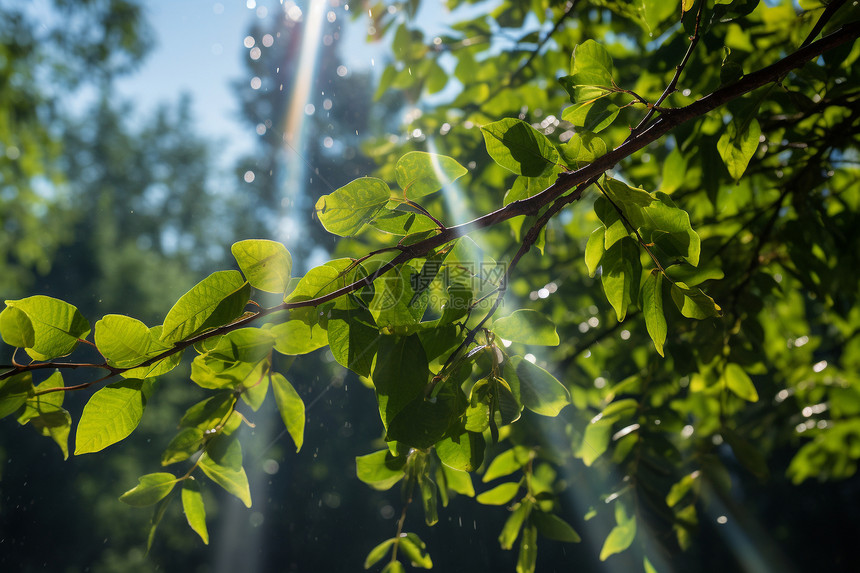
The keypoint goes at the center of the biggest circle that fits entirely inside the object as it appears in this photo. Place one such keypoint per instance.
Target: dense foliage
(613, 276)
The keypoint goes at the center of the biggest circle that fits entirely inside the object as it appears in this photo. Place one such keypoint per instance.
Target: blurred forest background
(121, 215)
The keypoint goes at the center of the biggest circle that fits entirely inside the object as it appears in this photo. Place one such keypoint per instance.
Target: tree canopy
(607, 279)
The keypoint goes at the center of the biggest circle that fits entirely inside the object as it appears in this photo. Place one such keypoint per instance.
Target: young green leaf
(396, 222)
(419, 173)
(518, 147)
(291, 407)
(594, 250)
(126, 342)
(111, 415)
(400, 374)
(458, 481)
(693, 303)
(353, 339)
(621, 536)
(377, 553)
(56, 326)
(528, 327)
(499, 495)
(620, 264)
(151, 489)
(185, 444)
(652, 308)
(506, 463)
(416, 551)
(394, 567)
(737, 146)
(581, 149)
(295, 337)
(346, 211)
(511, 529)
(539, 390)
(736, 380)
(527, 558)
(553, 527)
(14, 392)
(214, 301)
(44, 412)
(266, 264)
(233, 480)
(461, 451)
(380, 470)
(16, 328)
(428, 499)
(195, 511)
(592, 117)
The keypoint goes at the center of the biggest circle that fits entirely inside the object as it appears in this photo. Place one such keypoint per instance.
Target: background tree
(709, 180)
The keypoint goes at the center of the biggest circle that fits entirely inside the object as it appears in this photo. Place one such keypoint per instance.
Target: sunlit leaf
(380, 470)
(377, 553)
(652, 308)
(291, 407)
(14, 392)
(151, 489)
(540, 391)
(518, 147)
(528, 327)
(739, 382)
(527, 558)
(499, 495)
(511, 529)
(419, 173)
(737, 146)
(44, 412)
(224, 472)
(213, 302)
(349, 208)
(416, 551)
(553, 527)
(266, 264)
(621, 536)
(693, 303)
(111, 415)
(56, 326)
(195, 511)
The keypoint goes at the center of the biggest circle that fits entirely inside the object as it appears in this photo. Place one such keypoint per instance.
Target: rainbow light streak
(295, 127)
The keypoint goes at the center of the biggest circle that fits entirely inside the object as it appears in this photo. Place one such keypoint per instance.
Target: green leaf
(151, 489)
(111, 415)
(461, 450)
(400, 375)
(346, 211)
(511, 529)
(215, 301)
(255, 387)
(207, 414)
(527, 558)
(323, 280)
(652, 308)
(595, 440)
(518, 147)
(621, 536)
(736, 380)
(419, 173)
(693, 303)
(539, 390)
(416, 551)
(377, 553)
(397, 222)
(291, 407)
(44, 412)
(458, 481)
(394, 567)
(353, 339)
(56, 326)
(14, 392)
(157, 515)
(224, 473)
(592, 117)
(582, 149)
(594, 250)
(506, 463)
(425, 420)
(16, 328)
(266, 264)
(499, 495)
(553, 527)
(428, 499)
(295, 337)
(380, 470)
(195, 511)
(528, 327)
(184, 445)
(621, 267)
(738, 144)
(126, 342)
